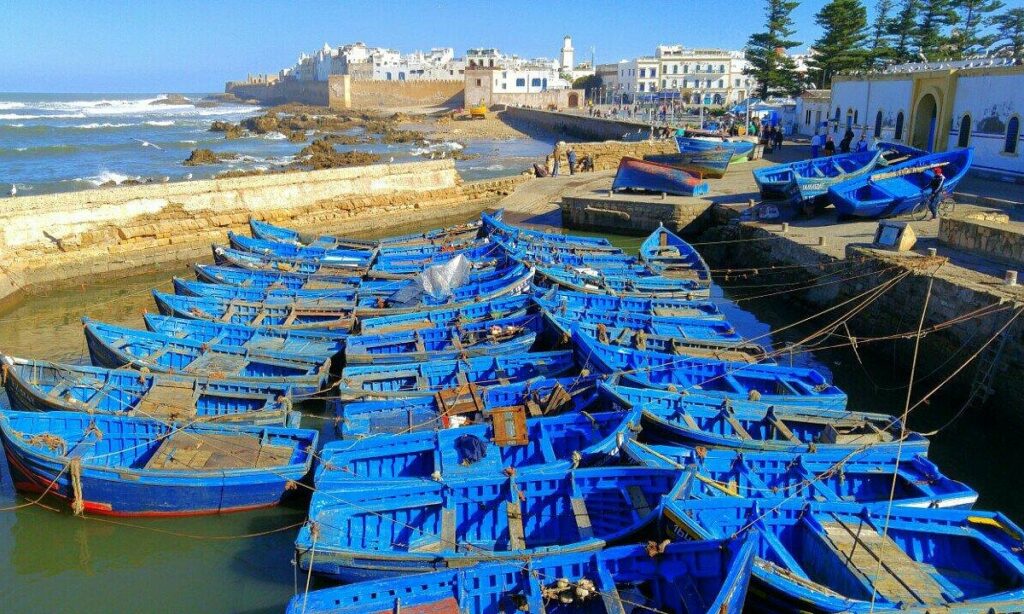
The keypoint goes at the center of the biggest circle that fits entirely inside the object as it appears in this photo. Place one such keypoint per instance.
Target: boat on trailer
(845, 557)
(646, 176)
(611, 581)
(665, 252)
(132, 466)
(39, 385)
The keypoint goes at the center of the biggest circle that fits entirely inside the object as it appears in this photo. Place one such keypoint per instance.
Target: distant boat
(703, 163)
(339, 255)
(740, 149)
(671, 256)
(901, 188)
(636, 174)
(130, 466)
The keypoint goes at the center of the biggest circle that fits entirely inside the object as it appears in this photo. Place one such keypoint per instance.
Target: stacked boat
(523, 420)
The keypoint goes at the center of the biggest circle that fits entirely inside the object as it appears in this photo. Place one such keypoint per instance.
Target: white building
(638, 76)
(379, 63)
(709, 76)
(940, 106)
(812, 112)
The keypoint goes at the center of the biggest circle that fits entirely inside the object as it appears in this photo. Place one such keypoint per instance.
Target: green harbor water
(54, 562)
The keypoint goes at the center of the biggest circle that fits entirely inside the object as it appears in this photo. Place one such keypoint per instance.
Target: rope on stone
(78, 501)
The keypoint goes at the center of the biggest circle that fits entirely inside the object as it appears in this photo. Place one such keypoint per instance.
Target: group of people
(825, 145)
(771, 137)
(553, 162)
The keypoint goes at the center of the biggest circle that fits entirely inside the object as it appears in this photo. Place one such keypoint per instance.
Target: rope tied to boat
(52, 442)
(77, 501)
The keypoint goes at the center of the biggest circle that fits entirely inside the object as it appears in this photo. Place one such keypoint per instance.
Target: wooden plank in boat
(516, 536)
(449, 605)
(899, 578)
(509, 425)
(168, 400)
(579, 510)
(215, 362)
(639, 500)
(676, 312)
(187, 451)
(460, 399)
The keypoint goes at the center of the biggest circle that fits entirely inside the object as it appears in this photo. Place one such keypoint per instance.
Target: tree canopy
(841, 46)
(766, 52)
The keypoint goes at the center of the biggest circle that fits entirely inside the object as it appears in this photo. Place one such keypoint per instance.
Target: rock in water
(172, 99)
(201, 156)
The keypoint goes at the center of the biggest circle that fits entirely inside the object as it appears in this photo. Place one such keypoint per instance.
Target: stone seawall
(608, 153)
(637, 215)
(988, 234)
(58, 237)
(580, 126)
(282, 92)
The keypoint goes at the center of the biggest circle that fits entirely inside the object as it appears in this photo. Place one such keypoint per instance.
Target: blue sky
(194, 46)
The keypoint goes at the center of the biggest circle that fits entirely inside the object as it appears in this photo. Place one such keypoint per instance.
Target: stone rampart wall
(634, 217)
(281, 92)
(987, 235)
(608, 153)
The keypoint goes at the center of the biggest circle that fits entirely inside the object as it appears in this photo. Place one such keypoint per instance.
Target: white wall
(866, 99)
(991, 101)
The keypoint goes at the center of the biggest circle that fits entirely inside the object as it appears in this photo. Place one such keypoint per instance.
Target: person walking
(556, 156)
(844, 145)
(778, 136)
(571, 157)
(816, 142)
(830, 146)
(862, 144)
(935, 185)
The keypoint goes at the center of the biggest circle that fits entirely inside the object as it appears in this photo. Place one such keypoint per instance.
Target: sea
(66, 142)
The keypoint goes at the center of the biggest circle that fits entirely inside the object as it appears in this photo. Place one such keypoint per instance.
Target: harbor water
(54, 562)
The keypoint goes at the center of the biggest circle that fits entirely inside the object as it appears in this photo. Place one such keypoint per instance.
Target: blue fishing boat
(186, 287)
(669, 255)
(485, 338)
(561, 302)
(370, 533)
(494, 225)
(226, 256)
(276, 249)
(613, 580)
(514, 280)
(415, 263)
(741, 149)
(320, 343)
(703, 164)
(595, 282)
(429, 378)
(246, 278)
(864, 476)
(768, 383)
(709, 422)
(456, 407)
(554, 444)
(294, 316)
(115, 347)
(637, 174)
(37, 385)
(441, 236)
(128, 466)
(805, 180)
(901, 188)
(491, 309)
(844, 557)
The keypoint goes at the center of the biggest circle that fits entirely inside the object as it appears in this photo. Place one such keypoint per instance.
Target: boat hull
(636, 174)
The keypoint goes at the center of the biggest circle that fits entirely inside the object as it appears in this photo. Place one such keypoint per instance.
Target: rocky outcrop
(231, 131)
(202, 156)
(321, 154)
(172, 99)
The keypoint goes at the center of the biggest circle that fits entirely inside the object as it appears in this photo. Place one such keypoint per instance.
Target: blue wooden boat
(276, 249)
(494, 225)
(536, 397)
(246, 278)
(186, 287)
(370, 533)
(514, 280)
(37, 385)
(844, 557)
(768, 383)
(415, 263)
(226, 256)
(805, 180)
(704, 163)
(128, 466)
(669, 255)
(900, 188)
(552, 444)
(741, 149)
(319, 343)
(562, 302)
(595, 282)
(615, 580)
(429, 378)
(492, 309)
(484, 338)
(115, 347)
(709, 422)
(637, 174)
(440, 236)
(293, 316)
(864, 476)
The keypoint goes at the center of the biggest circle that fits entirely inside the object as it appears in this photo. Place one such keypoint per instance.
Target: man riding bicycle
(938, 180)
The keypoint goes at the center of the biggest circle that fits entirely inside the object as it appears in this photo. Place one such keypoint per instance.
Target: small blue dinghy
(775, 384)
(292, 316)
(669, 255)
(115, 347)
(595, 282)
(318, 343)
(741, 149)
(439, 236)
(186, 287)
(128, 466)
(341, 256)
(844, 557)
(245, 278)
(493, 224)
(705, 163)
(431, 377)
(492, 309)
(613, 581)
(374, 533)
(226, 256)
(38, 385)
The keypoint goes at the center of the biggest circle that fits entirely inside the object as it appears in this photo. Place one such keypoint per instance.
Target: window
(654, 72)
(478, 83)
(878, 124)
(675, 69)
(535, 82)
(965, 131)
(837, 116)
(641, 87)
(721, 68)
(807, 118)
(520, 82)
(686, 68)
(675, 84)
(1012, 133)
(642, 71)
(899, 127)
(737, 83)
(721, 83)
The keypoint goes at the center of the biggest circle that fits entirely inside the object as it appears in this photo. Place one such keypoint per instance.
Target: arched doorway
(574, 100)
(923, 134)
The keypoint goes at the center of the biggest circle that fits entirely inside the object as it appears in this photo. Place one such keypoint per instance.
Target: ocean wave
(97, 125)
(12, 105)
(274, 136)
(106, 177)
(162, 122)
(36, 116)
(189, 142)
(43, 150)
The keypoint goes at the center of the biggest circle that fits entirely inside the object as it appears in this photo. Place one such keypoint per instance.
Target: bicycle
(946, 206)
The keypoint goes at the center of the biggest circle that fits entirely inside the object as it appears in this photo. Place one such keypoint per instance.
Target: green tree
(589, 84)
(844, 29)
(1010, 33)
(932, 36)
(970, 36)
(902, 30)
(879, 48)
(766, 52)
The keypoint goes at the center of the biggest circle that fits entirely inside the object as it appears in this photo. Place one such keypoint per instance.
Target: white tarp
(436, 282)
